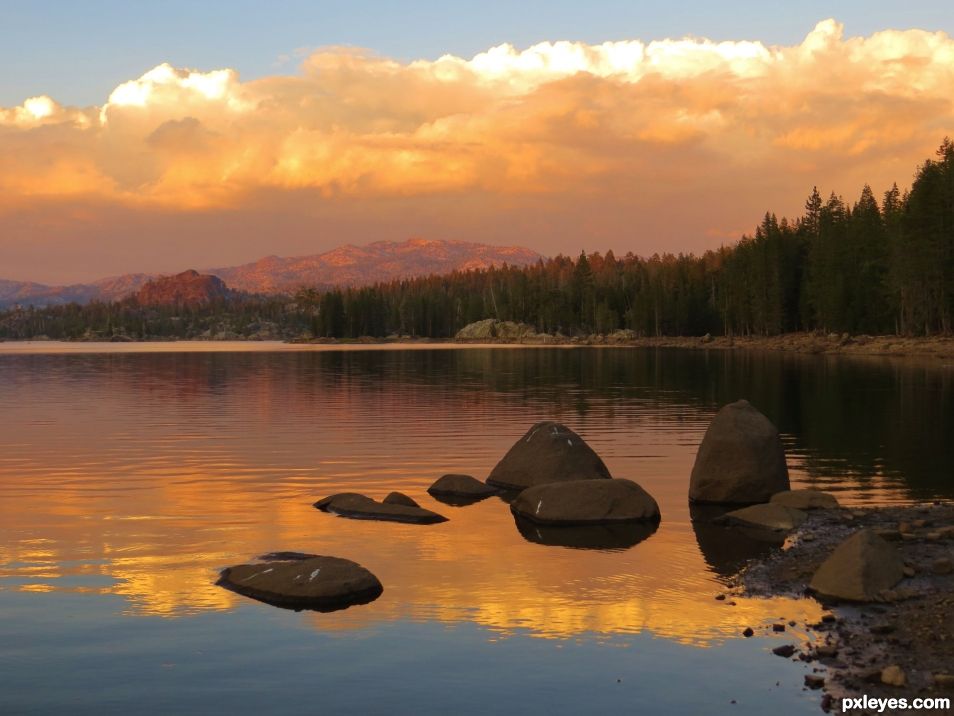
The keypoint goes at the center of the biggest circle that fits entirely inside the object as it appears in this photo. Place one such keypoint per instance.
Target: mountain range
(344, 266)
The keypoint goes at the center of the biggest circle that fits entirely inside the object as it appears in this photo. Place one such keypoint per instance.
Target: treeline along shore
(871, 266)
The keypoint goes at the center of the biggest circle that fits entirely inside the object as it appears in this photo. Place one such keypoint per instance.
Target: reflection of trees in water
(862, 417)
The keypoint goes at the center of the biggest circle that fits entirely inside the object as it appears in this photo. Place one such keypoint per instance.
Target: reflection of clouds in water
(158, 470)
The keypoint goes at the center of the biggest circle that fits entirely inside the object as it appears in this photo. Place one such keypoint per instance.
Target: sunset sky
(162, 137)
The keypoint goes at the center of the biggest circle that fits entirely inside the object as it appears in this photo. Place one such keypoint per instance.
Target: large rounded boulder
(740, 460)
(548, 452)
(586, 502)
(312, 582)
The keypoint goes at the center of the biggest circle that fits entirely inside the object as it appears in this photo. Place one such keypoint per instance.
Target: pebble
(814, 682)
(944, 680)
(918, 524)
(785, 650)
(720, 597)
(933, 536)
(893, 676)
(909, 571)
(904, 527)
(778, 627)
(826, 651)
(748, 632)
(943, 566)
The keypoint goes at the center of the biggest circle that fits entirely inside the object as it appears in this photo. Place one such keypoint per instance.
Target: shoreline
(932, 347)
(911, 626)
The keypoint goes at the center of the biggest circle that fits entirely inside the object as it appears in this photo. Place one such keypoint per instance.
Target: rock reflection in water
(607, 537)
(727, 548)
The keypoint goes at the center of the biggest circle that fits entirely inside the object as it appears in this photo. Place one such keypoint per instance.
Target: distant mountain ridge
(347, 265)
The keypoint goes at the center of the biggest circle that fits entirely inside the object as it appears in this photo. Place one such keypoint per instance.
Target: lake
(130, 474)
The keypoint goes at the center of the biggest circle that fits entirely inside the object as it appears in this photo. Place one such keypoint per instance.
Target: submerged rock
(548, 452)
(361, 507)
(586, 502)
(463, 486)
(320, 583)
(740, 460)
(768, 516)
(859, 570)
(805, 500)
(399, 498)
(611, 535)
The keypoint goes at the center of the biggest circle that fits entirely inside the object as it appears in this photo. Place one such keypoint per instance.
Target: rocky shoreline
(898, 645)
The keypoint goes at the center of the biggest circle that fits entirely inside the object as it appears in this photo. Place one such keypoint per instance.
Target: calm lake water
(130, 475)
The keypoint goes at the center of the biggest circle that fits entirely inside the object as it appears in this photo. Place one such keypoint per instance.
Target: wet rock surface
(769, 516)
(548, 452)
(740, 460)
(907, 633)
(314, 582)
(465, 487)
(586, 502)
(399, 498)
(805, 500)
(362, 507)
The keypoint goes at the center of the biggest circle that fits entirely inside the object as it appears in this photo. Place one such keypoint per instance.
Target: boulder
(548, 452)
(461, 486)
(768, 516)
(859, 569)
(586, 502)
(361, 507)
(740, 460)
(805, 500)
(399, 498)
(317, 582)
(479, 330)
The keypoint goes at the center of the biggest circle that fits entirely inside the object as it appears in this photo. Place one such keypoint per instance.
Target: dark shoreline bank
(911, 627)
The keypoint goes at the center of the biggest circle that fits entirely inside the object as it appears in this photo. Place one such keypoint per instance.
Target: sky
(159, 137)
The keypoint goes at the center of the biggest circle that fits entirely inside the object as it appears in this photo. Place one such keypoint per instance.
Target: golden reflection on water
(143, 475)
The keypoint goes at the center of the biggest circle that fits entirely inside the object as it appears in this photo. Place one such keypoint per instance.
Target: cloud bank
(666, 145)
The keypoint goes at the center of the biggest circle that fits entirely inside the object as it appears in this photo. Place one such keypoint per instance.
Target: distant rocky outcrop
(586, 502)
(548, 452)
(491, 329)
(304, 582)
(362, 507)
(183, 289)
(859, 569)
(740, 460)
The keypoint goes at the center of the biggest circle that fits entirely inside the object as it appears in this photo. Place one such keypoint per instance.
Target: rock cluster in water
(362, 507)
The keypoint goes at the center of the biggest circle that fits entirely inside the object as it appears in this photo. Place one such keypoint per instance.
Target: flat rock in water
(461, 486)
(319, 582)
(586, 502)
(361, 507)
(740, 460)
(859, 570)
(548, 452)
(768, 516)
(805, 500)
(399, 498)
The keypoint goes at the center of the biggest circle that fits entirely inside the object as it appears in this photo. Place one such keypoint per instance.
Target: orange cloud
(636, 124)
